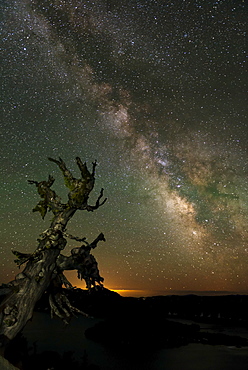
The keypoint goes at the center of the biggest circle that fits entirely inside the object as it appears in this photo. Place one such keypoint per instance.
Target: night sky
(155, 91)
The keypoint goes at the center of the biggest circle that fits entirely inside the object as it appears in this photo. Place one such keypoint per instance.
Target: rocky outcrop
(6, 365)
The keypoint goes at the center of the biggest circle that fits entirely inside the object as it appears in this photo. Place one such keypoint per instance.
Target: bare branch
(65, 281)
(94, 164)
(48, 183)
(84, 262)
(44, 267)
(74, 237)
(79, 188)
(62, 166)
(50, 200)
(61, 307)
(59, 303)
(100, 237)
(98, 204)
(21, 257)
(83, 169)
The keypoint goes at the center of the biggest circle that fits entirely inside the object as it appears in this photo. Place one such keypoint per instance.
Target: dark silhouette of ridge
(144, 324)
(133, 322)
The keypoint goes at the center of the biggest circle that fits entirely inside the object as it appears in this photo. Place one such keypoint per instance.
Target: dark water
(54, 335)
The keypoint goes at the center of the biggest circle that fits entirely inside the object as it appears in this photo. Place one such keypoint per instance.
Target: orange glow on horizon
(131, 292)
(138, 293)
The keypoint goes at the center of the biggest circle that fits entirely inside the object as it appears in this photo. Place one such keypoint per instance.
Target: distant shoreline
(139, 293)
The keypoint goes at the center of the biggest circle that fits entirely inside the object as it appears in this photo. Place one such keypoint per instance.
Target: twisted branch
(98, 204)
(50, 200)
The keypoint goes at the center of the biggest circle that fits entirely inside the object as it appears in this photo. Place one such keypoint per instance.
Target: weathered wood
(6, 365)
(44, 267)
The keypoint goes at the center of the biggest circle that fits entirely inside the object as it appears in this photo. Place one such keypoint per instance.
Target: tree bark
(42, 267)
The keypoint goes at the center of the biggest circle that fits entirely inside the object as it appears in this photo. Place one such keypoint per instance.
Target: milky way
(155, 91)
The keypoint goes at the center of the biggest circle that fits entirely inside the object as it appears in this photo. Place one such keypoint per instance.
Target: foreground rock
(5, 365)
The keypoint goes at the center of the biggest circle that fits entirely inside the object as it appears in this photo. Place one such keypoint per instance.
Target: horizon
(150, 91)
(139, 293)
(145, 293)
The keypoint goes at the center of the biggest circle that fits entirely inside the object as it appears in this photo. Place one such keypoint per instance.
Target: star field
(156, 92)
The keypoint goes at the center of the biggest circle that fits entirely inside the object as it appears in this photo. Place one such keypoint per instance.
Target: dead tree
(44, 267)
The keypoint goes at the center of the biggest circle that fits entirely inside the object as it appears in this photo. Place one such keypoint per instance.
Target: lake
(52, 334)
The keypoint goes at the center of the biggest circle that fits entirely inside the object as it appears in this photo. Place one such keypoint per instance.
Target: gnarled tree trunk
(45, 266)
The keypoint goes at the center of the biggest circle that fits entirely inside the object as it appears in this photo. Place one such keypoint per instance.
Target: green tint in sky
(155, 91)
